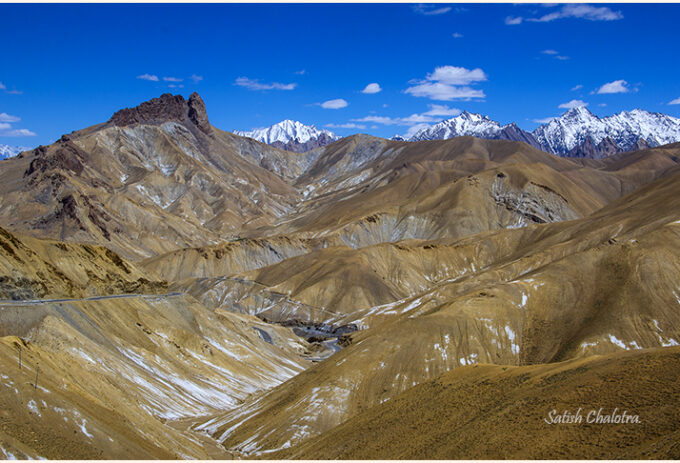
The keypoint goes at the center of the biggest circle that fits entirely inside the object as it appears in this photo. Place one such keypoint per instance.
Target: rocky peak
(197, 113)
(166, 108)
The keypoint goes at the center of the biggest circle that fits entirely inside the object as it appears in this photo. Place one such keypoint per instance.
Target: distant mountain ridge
(627, 130)
(291, 136)
(577, 133)
(475, 125)
(7, 151)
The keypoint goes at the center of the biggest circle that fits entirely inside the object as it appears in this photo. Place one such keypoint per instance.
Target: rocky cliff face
(163, 109)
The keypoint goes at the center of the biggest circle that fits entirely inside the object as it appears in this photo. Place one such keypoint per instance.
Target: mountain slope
(291, 136)
(32, 268)
(542, 294)
(154, 178)
(487, 411)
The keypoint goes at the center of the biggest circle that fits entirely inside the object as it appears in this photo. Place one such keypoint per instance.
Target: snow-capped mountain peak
(7, 151)
(625, 129)
(465, 123)
(286, 131)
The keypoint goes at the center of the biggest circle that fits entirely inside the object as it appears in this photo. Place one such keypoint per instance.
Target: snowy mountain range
(577, 133)
(475, 125)
(7, 151)
(291, 136)
(627, 130)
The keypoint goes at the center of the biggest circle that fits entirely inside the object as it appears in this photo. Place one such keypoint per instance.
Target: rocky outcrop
(166, 108)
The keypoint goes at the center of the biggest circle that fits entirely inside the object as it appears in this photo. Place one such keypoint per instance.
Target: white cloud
(602, 104)
(457, 35)
(4, 117)
(334, 104)
(175, 86)
(348, 125)
(196, 78)
(444, 92)
(618, 86)
(2, 86)
(377, 119)
(676, 101)
(581, 11)
(448, 83)
(576, 87)
(442, 110)
(14, 92)
(149, 77)
(255, 84)
(573, 104)
(413, 119)
(17, 133)
(5, 126)
(301, 72)
(454, 75)
(545, 120)
(510, 21)
(549, 52)
(414, 129)
(172, 79)
(562, 57)
(372, 88)
(430, 10)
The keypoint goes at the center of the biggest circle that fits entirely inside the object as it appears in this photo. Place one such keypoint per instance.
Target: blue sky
(66, 67)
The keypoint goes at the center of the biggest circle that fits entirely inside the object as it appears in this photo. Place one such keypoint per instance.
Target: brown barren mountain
(183, 292)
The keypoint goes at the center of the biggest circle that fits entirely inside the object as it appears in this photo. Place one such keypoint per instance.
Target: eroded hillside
(189, 293)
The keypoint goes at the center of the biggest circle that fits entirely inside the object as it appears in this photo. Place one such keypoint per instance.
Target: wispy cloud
(676, 101)
(618, 86)
(6, 131)
(4, 117)
(448, 83)
(545, 120)
(580, 11)
(576, 87)
(301, 72)
(348, 125)
(10, 92)
(338, 103)
(172, 79)
(430, 10)
(442, 110)
(457, 35)
(572, 10)
(573, 104)
(555, 54)
(196, 79)
(255, 84)
(372, 88)
(176, 86)
(434, 114)
(149, 77)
